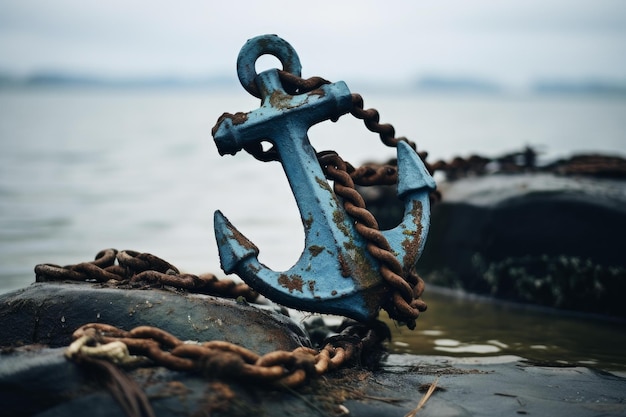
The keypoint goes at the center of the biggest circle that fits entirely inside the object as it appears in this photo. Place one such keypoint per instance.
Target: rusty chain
(220, 359)
(217, 358)
(136, 269)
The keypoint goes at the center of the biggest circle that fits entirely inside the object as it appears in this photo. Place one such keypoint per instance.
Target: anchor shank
(316, 202)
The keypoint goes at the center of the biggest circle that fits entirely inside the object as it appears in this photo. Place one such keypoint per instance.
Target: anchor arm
(295, 288)
(414, 187)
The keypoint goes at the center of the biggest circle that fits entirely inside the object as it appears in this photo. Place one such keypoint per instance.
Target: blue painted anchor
(335, 273)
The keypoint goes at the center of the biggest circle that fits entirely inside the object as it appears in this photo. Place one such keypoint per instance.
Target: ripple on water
(455, 346)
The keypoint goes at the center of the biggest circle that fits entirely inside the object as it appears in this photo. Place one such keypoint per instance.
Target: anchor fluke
(412, 174)
(233, 246)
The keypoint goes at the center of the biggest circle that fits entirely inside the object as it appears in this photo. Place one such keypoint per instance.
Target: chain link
(526, 161)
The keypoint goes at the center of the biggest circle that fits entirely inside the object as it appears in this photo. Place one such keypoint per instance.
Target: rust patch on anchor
(339, 219)
(344, 267)
(322, 183)
(316, 250)
(317, 92)
(237, 119)
(413, 239)
(280, 100)
(308, 222)
(360, 267)
(241, 239)
(291, 282)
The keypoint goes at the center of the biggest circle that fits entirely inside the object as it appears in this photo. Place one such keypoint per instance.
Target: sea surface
(83, 170)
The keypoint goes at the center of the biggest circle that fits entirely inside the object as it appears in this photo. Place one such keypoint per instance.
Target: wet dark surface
(486, 358)
(48, 313)
(489, 387)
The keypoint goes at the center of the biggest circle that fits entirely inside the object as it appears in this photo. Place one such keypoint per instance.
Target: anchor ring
(265, 45)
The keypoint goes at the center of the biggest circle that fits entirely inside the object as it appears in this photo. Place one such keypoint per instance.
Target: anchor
(335, 273)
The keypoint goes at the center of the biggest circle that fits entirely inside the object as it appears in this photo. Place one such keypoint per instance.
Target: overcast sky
(513, 42)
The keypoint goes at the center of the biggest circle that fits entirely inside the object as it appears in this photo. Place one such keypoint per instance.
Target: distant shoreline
(423, 85)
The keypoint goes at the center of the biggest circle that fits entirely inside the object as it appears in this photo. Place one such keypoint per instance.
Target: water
(81, 171)
(465, 325)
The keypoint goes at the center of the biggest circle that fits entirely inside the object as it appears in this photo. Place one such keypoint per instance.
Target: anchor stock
(335, 273)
